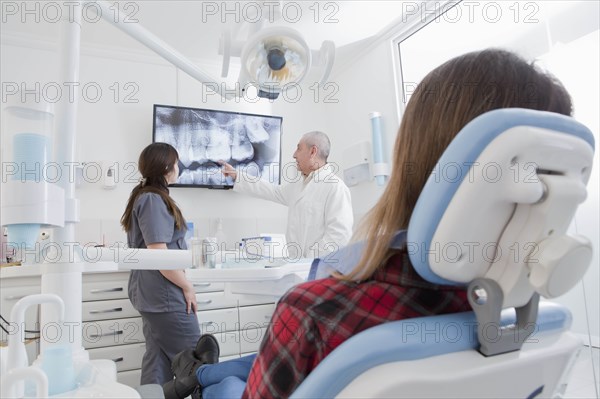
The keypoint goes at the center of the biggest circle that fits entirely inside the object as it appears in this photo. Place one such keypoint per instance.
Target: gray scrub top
(149, 290)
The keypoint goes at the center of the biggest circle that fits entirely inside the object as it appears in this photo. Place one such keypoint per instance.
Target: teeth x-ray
(251, 143)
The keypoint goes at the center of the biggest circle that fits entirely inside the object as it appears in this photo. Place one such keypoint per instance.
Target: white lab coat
(319, 210)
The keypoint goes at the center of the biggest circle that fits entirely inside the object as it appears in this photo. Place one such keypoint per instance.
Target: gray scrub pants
(166, 335)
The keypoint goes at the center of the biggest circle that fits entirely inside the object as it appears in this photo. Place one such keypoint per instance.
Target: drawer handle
(202, 284)
(205, 302)
(110, 334)
(106, 311)
(101, 291)
(119, 359)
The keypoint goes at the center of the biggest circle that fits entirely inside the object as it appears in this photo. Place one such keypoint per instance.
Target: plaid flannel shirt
(314, 318)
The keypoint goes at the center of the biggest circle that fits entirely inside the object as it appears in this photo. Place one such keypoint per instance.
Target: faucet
(17, 354)
(18, 375)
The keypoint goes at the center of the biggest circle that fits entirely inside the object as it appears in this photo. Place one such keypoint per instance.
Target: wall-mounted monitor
(251, 143)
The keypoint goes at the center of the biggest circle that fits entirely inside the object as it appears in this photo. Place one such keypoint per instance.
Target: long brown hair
(156, 160)
(446, 100)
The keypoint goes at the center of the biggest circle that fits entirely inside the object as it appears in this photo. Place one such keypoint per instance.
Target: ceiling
(194, 27)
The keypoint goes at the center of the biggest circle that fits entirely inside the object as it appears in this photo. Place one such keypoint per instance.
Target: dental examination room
(235, 199)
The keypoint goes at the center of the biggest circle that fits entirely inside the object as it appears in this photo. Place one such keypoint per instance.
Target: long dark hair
(156, 160)
(443, 103)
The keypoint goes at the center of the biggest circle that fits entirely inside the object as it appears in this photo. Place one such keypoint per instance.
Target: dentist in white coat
(319, 205)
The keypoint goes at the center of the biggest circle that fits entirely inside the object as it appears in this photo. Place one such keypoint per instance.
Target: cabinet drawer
(126, 357)
(10, 295)
(130, 378)
(215, 300)
(102, 333)
(218, 320)
(248, 300)
(101, 290)
(250, 339)
(208, 287)
(257, 316)
(229, 343)
(102, 310)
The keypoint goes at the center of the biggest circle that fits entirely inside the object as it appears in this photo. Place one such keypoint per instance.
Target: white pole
(63, 277)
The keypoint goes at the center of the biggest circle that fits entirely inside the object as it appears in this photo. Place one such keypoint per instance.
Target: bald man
(319, 206)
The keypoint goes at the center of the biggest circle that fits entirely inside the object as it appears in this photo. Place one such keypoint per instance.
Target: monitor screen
(251, 143)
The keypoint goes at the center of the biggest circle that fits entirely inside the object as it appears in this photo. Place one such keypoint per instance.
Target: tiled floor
(585, 377)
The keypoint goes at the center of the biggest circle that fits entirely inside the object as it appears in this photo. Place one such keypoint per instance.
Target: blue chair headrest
(466, 158)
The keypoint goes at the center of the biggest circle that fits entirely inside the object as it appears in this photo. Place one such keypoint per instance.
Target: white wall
(342, 111)
(116, 129)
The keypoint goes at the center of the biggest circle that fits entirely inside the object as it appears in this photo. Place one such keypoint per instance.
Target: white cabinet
(126, 357)
(237, 321)
(114, 308)
(130, 378)
(112, 328)
(218, 320)
(257, 316)
(250, 340)
(254, 321)
(240, 329)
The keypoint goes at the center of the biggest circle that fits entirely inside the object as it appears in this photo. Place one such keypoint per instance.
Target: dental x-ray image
(251, 143)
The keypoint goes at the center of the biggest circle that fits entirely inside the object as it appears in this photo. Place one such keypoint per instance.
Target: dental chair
(492, 217)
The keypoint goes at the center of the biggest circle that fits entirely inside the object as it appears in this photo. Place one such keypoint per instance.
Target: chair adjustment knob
(558, 263)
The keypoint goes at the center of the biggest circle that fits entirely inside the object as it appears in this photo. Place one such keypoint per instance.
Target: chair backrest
(492, 217)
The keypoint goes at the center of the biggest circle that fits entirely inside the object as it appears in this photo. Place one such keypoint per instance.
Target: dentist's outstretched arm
(254, 185)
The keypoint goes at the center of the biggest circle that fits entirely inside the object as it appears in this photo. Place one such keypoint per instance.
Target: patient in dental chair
(315, 317)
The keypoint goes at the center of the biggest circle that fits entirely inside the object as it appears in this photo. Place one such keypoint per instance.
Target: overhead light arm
(324, 59)
(161, 48)
(284, 69)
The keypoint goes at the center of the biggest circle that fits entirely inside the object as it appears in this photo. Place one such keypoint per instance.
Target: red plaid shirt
(314, 318)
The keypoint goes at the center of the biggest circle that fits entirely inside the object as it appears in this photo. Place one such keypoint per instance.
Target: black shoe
(185, 364)
(207, 349)
(180, 388)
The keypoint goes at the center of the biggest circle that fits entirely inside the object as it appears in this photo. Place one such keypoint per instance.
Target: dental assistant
(319, 205)
(165, 299)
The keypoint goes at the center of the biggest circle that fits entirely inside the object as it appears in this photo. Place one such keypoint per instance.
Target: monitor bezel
(213, 186)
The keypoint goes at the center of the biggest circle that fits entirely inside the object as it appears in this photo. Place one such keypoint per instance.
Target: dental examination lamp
(275, 59)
